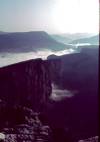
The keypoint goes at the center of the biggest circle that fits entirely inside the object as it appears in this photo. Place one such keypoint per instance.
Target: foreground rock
(32, 130)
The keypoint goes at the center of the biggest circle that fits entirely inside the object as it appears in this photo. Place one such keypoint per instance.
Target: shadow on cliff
(79, 114)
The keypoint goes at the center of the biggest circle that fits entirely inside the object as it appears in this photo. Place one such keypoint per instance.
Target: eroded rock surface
(26, 83)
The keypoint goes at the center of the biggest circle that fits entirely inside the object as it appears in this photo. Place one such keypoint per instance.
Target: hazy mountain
(2, 32)
(62, 39)
(67, 38)
(91, 40)
(77, 35)
(28, 41)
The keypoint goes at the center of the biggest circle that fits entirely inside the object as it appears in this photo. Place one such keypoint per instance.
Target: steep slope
(25, 83)
(78, 114)
(75, 70)
(28, 41)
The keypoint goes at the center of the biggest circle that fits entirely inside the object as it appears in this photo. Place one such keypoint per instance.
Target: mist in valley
(11, 58)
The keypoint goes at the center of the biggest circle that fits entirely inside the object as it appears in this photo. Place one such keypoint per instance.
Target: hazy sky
(53, 16)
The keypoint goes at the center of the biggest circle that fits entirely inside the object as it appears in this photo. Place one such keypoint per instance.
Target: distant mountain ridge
(61, 39)
(68, 38)
(74, 36)
(91, 40)
(2, 32)
(28, 41)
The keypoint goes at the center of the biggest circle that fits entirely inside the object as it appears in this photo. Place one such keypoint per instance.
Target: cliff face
(75, 72)
(78, 71)
(26, 83)
(55, 69)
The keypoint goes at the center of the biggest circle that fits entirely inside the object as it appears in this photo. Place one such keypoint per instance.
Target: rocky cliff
(24, 89)
(78, 73)
(26, 83)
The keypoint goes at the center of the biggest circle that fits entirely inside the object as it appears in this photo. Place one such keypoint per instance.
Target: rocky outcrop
(31, 130)
(24, 89)
(26, 83)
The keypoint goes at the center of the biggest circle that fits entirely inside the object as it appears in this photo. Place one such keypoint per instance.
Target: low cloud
(60, 94)
(11, 58)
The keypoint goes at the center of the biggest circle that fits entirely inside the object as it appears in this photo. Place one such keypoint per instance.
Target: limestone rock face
(26, 83)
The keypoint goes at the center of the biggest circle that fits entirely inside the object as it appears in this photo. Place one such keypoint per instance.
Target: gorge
(28, 84)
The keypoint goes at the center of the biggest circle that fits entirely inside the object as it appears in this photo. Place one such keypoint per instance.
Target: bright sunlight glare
(76, 16)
